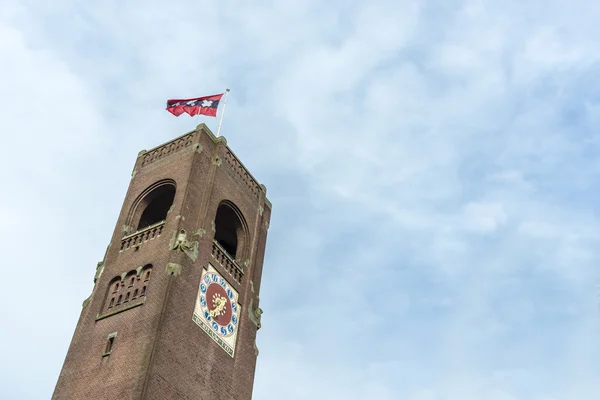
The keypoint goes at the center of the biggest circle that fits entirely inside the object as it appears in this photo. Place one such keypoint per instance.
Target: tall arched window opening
(229, 229)
(156, 205)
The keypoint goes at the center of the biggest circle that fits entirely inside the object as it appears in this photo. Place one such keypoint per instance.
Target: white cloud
(432, 168)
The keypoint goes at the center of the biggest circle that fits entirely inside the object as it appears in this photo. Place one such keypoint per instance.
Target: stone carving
(99, 270)
(180, 242)
(255, 314)
(127, 230)
(200, 233)
(173, 269)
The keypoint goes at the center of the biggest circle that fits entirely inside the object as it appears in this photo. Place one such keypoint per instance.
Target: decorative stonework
(242, 173)
(167, 149)
(99, 270)
(180, 242)
(126, 291)
(225, 261)
(127, 230)
(173, 269)
(136, 239)
(200, 233)
(255, 315)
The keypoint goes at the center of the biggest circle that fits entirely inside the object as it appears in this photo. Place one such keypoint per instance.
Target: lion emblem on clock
(217, 310)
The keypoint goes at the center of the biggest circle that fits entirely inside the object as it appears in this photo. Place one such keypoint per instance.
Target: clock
(217, 311)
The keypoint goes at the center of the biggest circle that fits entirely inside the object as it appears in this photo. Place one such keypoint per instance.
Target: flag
(206, 105)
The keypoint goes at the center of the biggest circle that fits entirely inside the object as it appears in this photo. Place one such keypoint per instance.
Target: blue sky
(433, 168)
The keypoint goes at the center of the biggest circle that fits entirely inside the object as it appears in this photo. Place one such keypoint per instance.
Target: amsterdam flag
(206, 105)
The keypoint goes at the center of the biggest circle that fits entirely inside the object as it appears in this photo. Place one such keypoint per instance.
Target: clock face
(217, 311)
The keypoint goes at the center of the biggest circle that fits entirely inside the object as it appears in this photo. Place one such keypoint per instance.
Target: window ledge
(129, 307)
(136, 239)
(144, 229)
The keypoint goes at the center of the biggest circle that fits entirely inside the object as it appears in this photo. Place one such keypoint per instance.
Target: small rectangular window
(109, 344)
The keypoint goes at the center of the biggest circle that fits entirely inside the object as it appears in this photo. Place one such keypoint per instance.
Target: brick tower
(174, 309)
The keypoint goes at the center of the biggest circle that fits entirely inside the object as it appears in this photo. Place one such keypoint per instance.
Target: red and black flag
(206, 105)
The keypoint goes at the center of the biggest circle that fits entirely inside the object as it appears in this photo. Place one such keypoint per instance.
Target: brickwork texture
(157, 351)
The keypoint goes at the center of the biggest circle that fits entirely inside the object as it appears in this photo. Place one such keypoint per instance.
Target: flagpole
(222, 112)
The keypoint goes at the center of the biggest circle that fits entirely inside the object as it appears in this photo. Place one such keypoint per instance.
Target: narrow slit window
(135, 293)
(147, 276)
(109, 344)
(127, 297)
(143, 291)
(112, 302)
(119, 299)
(132, 281)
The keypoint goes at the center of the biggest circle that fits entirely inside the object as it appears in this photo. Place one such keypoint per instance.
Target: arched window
(155, 205)
(230, 229)
(121, 294)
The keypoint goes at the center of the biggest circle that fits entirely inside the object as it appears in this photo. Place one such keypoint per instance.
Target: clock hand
(220, 305)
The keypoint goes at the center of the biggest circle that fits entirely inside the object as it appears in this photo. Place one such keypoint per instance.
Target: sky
(433, 167)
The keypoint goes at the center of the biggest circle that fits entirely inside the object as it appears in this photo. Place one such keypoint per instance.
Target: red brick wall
(159, 352)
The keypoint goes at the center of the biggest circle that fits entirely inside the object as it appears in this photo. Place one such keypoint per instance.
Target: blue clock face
(217, 310)
(218, 304)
